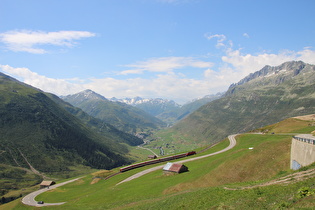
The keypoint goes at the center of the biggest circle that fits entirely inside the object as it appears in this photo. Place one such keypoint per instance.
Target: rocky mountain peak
(85, 95)
(279, 73)
(138, 100)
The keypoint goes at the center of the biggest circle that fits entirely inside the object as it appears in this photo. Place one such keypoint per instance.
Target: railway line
(30, 198)
(159, 160)
(137, 175)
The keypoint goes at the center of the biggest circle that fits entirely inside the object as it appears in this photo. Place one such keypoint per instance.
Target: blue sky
(173, 49)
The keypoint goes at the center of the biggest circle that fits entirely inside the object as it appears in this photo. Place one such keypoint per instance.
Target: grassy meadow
(215, 182)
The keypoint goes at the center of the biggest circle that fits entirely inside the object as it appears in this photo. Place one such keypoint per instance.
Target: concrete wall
(302, 152)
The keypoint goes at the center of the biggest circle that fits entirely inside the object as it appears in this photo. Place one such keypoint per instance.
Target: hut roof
(47, 183)
(175, 167)
(167, 166)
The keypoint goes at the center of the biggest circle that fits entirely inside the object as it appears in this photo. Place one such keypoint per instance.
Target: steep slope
(37, 132)
(98, 125)
(123, 116)
(265, 97)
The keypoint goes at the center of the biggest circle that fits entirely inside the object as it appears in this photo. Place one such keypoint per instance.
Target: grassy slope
(203, 186)
(50, 137)
(251, 106)
(98, 125)
(16, 178)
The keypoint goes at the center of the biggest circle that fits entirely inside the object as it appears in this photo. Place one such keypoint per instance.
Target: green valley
(241, 178)
(43, 137)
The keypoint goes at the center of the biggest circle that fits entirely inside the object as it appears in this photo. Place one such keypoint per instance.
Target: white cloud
(28, 41)
(246, 35)
(165, 64)
(167, 84)
(170, 85)
(222, 42)
(245, 64)
(236, 65)
(56, 86)
(220, 37)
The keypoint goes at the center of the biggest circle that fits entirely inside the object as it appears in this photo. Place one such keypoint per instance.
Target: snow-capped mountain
(277, 74)
(83, 96)
(166, 110)
(138, 100)
(125, 117)
(154, 106)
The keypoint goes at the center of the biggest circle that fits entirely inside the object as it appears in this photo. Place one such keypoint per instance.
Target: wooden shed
(152, 157)
(175, 168)
(44, 184)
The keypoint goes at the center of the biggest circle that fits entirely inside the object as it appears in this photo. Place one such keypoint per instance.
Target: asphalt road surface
(232, 144)
(30, 198)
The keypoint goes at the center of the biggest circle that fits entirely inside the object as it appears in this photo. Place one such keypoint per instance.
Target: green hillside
(98, 126)
(241, 178)
(12, 179)
(124, 117)
(36, 131)
(266, 97)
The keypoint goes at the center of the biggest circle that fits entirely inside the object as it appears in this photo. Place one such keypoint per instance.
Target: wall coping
(307, 138)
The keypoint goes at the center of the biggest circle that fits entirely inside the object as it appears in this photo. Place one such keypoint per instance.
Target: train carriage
(138, 165)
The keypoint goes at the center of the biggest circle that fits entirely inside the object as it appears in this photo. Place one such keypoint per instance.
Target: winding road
(30, 198)
(137, 175)
(149, 150)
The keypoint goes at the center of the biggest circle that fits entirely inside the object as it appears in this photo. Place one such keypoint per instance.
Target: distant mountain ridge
(138, 100)
(279, 74)
(154, 106)
(168, 110)
(264, 97)
(125, 117)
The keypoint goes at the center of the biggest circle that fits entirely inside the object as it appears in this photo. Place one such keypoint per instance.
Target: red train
(138, 165)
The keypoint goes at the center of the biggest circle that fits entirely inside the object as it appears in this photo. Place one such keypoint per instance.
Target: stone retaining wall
(302, 151)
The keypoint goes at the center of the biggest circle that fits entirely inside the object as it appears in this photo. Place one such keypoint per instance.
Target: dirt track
(296, 177)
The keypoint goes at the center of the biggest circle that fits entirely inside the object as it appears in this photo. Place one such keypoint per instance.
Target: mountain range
(40, 127)
(40, 131)
(43, 133)
(154, 106)
(167, 110)
(264, 97)
(124, 117)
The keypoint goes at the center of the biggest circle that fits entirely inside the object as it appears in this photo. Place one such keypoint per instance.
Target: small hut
(152, 157)
(175, 168)
(46, 184)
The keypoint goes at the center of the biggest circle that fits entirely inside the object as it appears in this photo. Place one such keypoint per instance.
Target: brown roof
(175, 167)
(47, 183)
